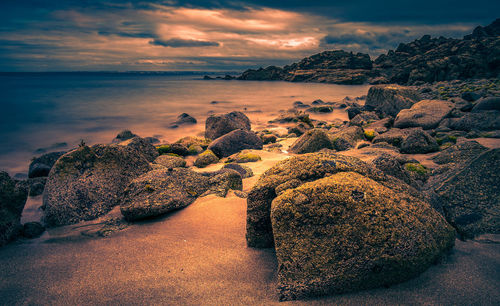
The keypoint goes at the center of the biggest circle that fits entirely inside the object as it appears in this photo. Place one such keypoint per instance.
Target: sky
(216, 35)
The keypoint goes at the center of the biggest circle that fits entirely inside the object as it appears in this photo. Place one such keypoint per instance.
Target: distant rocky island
(425, 60)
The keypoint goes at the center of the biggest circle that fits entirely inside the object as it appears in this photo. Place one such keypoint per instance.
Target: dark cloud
(180, 43)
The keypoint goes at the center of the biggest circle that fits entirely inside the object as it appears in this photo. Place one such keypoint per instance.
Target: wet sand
(198, 255)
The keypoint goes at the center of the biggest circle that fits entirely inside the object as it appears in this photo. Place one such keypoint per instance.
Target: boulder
(299, 129)
(461, 152)
(243, 170)
(13, 195)
(244, 157)
(390, 99)
(88, 182)
(470, 96)
(364, 118)
(483, 121)
(141, 146)
(219, 125)
(206, 158)
(189, 141)
(174, 148)
(268, 138)
(426, 114)
(164, 190)
(419, 141)
(41, 166)
(485, 104)
(470, 196)
(393, 166)
(36, 186)
(292, 173)
(312, 141)
(347, 232)
(380, 126)
(234, 142)
(183, 119)
(123, 135)
(32, 230)
(347, 138)
(170, 161)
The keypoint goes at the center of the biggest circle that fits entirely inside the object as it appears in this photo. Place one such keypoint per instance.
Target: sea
(45, 112)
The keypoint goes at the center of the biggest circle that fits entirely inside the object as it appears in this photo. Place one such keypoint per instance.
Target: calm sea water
(41, 111)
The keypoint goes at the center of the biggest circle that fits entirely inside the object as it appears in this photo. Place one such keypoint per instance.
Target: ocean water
(55, 111)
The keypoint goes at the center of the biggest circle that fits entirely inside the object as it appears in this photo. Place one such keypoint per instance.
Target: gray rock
(471, 196)
(347, 138)
(364, 118)
(219, 125)
(234, 142)
(141, 146)
(243, 170)
(124, 135)
(390, 99)
(419, 141)
(89, 181)
(483, 121)
(13, 195)
(461, 152)
(426, 114)
(470, 96)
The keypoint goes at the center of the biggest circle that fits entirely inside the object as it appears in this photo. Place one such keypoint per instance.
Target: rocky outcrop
(234, 142)
(163, 190)
(41, 166)
(219, 125)
(312, 141)
(346, 232)
(426, 114)
(390, 99)
(13, 195)
(294, 172)
(470, 195)
(89, 181)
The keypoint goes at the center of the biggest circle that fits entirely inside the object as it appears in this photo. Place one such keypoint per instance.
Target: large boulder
(89, 181)
(347, 232)
(41, 166)
(312, 141)
(483, 121)
(485, 104)
(470, 196)
(234, 142)
(426, 114)
(293, 172)
(390, 99)
(13, 195)
(218, 125)
(163, 190)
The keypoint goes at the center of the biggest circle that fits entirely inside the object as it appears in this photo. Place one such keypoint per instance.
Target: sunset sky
(112, 35)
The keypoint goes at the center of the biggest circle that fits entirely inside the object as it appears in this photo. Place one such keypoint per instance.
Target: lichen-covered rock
(390, 99)
(470, 196)
(168, 161)
(419, 141)
(218, 125)
(234, 142)
(293, 172)
(312, 141)
(13, 195)
(347, 138)
(163, 190)
(243, 170)
(206, 158)
(244, 157)
(41, 166)
(142, 146)
(426, 114)
(347, 232)
(89, 181)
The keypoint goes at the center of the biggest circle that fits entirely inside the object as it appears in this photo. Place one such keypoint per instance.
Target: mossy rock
(244, 157)
(301, 169)
(188, 141)
(175, 148)
(347, 232)
(206, 158)
(369, 134)
(195, 149)
(417, 171)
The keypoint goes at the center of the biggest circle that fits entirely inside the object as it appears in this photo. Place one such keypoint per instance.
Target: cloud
(180, 43)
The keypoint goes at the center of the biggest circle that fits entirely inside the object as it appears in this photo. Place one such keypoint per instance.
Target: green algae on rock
(206, 158)
(244, 157)
(347, 232)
